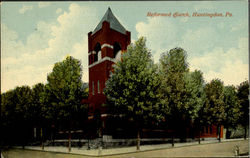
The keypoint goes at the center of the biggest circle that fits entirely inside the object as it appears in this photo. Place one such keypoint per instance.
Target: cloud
(25, 8)
(230, 66)
(232, 73)
(160, 34)
(50, 43)
(206, 50)
(43, 4)
(27, 75)
(59, 10)
(198, 41)
(79, 51)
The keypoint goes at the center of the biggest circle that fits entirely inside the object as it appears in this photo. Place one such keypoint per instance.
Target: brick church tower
(105, 46)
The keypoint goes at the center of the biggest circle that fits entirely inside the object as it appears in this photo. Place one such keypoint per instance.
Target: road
(223, 149)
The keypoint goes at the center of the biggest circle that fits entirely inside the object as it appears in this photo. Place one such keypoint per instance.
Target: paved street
(212, 149)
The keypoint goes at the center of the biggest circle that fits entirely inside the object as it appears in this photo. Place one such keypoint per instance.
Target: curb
(99, 153)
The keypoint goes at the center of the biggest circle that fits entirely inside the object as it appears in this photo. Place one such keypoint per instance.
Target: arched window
(98, 86)
(97, 50)
(116, 49)
(93, 88)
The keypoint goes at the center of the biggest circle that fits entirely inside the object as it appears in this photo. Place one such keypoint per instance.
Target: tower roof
(114, 23)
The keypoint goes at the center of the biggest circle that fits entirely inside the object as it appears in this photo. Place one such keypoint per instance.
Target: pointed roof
(114, 23)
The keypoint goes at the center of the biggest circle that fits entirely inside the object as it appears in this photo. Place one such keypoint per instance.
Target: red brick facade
(108, 42)
(211, 132)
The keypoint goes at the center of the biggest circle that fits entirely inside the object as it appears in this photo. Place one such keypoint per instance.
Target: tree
(14, 110)
(214, 110)
(195, 97)
(182, 91)
(133, 85)
(65, 92)
(8, 119)
(35, 108)
(8, 107)
(24, 100)
(243, 96)
(195, 92)
(173, 66)
(232, 109)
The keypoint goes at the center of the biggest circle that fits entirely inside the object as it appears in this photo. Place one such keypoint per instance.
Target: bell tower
(105, 45)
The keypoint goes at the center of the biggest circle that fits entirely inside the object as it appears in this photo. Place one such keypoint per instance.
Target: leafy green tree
(65, 90)
(195, 94)
(35, 108)
(195, 98)
(48, 114)
(173, 66)
(232, 107)
(133, 85)
(8, 107)
(215, 109)
(14, 110)
(181, 91)
(243, 96)
(8, 119)
(24, 101)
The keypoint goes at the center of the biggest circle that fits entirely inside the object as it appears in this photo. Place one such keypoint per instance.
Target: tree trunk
(88, 139)
(53, 135)
(53, 140)
(199, 134)
(172, 139)
(219, 129)
(138, 140)
(23, 139)
(23, 134)
(42, 144)
(245, 134)
(69, 140)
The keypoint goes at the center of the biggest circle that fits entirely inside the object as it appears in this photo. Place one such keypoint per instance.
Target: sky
(36, 35)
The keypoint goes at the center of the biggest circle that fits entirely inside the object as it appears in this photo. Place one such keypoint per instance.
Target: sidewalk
(123, 150)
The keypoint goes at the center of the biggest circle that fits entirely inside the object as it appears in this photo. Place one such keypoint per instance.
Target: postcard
(66, 67)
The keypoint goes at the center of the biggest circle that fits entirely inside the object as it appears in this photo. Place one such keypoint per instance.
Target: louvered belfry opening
(116, 48)
(97, 50)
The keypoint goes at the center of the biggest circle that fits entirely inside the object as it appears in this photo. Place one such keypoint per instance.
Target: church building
(105, 45)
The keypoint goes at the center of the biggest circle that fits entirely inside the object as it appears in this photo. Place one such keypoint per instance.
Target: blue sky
(35, 35)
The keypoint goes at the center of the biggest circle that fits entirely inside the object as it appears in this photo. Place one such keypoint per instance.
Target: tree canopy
(232, 107)
(132, 86)
(243, 96)
(214, 110)
(65, 88)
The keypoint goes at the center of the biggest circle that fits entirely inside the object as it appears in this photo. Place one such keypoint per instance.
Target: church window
(98, 86)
